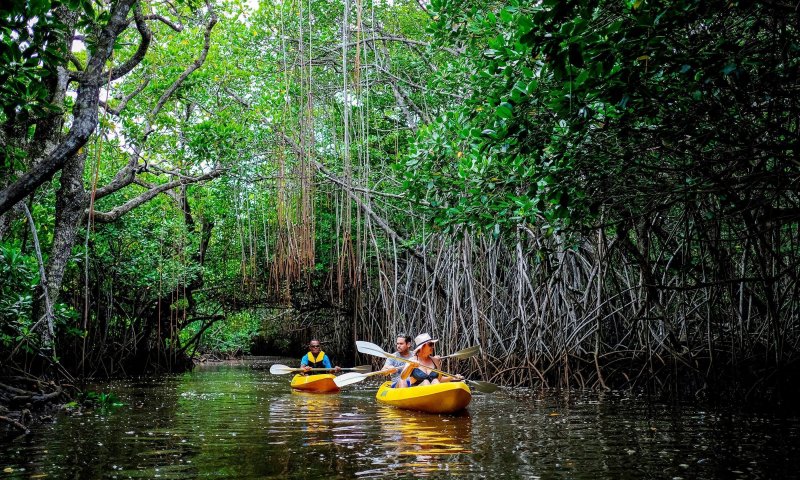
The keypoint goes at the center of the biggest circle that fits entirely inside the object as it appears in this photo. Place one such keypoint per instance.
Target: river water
(238, 421)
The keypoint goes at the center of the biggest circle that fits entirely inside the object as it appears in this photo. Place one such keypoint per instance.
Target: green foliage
(272, 330)
(233, 335)
(100, 400)
(17, 272)
(582, 106)
(20, 275)
(31, 39)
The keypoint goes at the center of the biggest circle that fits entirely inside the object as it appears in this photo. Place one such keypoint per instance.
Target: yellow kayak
(322, 383)
(447, 397)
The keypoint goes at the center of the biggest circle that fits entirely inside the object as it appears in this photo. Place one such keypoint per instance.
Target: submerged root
(25, 401)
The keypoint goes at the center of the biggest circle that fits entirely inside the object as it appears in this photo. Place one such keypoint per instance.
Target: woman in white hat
(419, 372)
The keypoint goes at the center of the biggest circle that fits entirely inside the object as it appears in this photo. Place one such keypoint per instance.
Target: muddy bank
(25, 401)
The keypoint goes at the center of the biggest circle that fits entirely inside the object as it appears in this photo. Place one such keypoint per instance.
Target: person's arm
(326, 362)
(437, 364)
(387, 368)
(407, 371)
(304, 363)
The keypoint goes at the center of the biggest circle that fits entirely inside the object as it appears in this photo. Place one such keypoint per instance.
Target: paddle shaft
(328, 369)
(351, 378)
(376, 372)
(292, 370)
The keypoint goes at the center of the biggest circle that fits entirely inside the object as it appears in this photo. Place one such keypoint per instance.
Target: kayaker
(418, 372)
(403, 344)
(316, 358)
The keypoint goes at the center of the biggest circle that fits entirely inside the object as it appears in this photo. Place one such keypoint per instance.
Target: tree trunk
(71, 201)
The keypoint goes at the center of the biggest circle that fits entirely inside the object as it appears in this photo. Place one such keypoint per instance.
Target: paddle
(464, 354)
(355, 377)
(372, 349)
(279, 369)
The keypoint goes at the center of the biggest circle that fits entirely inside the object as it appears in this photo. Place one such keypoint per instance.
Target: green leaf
(88, 8)
(504, 110)
(582, 77)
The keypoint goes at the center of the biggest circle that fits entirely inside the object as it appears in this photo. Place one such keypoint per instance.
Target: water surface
(238, 421)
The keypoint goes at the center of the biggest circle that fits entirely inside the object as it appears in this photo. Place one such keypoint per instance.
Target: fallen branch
(18, 391)
(14, 424)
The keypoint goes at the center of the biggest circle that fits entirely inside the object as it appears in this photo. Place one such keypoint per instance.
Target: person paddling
(395, 367)
(316, 358)
(418, 371)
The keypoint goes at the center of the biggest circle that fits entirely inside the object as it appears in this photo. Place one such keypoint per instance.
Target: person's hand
(305, 368)
(337, 369)
(458, 378)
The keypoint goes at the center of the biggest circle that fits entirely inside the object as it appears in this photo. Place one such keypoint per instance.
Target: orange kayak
(315, 383)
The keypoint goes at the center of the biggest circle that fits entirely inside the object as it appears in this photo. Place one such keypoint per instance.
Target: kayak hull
(315, 383)
(450, 397)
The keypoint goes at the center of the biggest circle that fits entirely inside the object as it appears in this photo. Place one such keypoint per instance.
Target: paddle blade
(370, 349)
(483, 387)
(466, 353)
(348, 379)
(279, 369)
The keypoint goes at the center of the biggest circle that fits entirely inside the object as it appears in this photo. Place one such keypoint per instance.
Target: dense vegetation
(599, 193)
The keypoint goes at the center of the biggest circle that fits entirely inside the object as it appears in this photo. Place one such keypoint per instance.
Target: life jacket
(315, 362)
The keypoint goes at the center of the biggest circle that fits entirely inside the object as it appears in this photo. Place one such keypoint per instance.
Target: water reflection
(234, 422)
(425, 434)
(315, 413)
(423, 444)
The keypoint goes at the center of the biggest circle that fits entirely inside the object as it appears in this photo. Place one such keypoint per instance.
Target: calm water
(238, 421)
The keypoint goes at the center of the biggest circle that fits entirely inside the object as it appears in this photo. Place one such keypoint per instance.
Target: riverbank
(26, 401)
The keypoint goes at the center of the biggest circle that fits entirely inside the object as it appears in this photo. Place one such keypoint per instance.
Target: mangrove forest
(588, 197)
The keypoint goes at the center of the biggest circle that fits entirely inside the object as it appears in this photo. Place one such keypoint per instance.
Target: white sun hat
(422, 339)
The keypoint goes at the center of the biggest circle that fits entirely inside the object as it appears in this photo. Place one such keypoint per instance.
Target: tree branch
(14, 424)
(407, 41)
(124, 102)
(147, 36)
(85, 112)
(117, 212)
(165, 21)
(191, 68)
